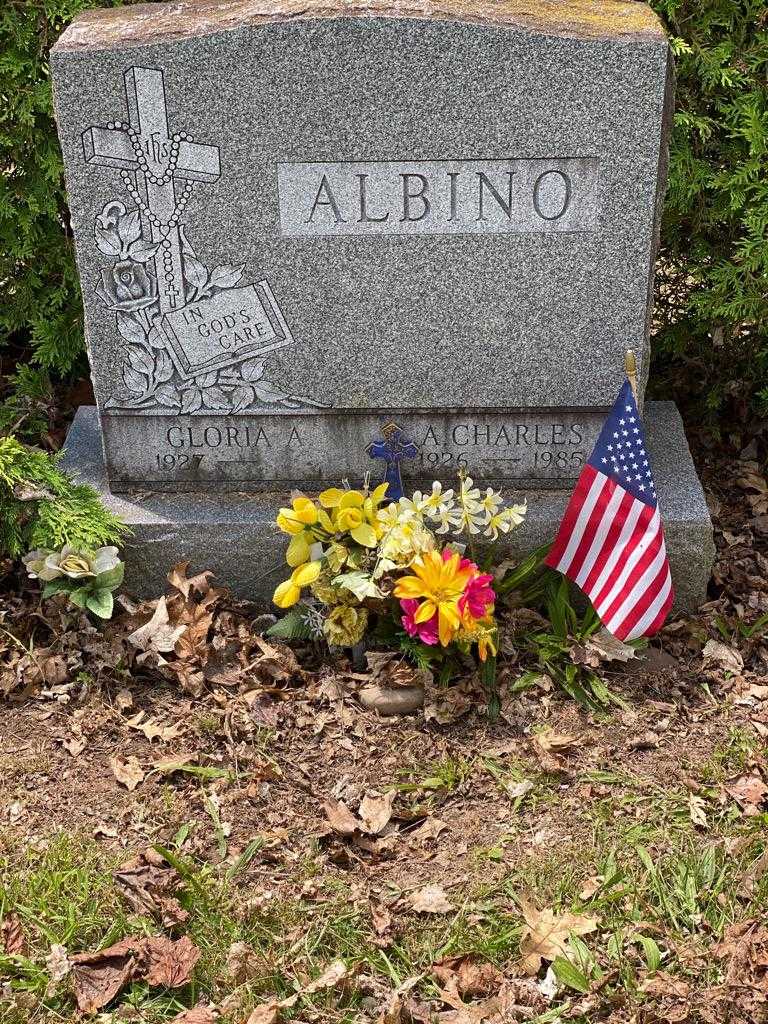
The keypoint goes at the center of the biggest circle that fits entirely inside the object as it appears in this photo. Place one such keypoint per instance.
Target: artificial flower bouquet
(88, 578)
(359, 562)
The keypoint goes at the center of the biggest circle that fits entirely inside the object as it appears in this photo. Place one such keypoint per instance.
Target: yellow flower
(332, 497)
(349, 518)
(441, 583)
(303, 512)
(345, 625)
(298, 549)
(288, 592)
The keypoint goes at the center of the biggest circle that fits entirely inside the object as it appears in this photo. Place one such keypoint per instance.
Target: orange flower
(440, 582)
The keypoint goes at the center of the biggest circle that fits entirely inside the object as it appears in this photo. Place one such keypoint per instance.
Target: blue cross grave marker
(393, 448)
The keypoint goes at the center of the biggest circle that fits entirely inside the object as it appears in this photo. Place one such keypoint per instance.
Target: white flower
(469, 494)
(448, 517)
(438, 497)
(492, 501)
(389, 516)
(504, 520)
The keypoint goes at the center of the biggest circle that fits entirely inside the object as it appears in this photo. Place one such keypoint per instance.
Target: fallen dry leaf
(549, 746)
(375, 811)
(545, 935)
(153, 729)
(697, 808)
(719, 655)
(149, 883)
(467, 976)
(197, 1015)
(590, 887)
(340, 818)
(267, 1013)
(170, 963)
(431, 899)
(331, 976)
(157, 635)
(601, 648)
(749, 792)
(99, 976)
(382, 920)
(242, 962)
(158, 960)
(12, 937)
(57, 964)
(430, 828)
(128, 773)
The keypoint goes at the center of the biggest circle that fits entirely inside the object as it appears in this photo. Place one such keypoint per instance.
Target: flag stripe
(601, 533)
(571, 514)
(611, 540)
(598, 483)
(640, 545)
(651, 569)
(653, 617)
(634, 527)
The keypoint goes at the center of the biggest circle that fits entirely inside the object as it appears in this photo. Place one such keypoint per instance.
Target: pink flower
(478, 597)
(425, 631)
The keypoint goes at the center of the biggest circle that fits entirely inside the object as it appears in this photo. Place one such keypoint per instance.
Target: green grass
(668, 891)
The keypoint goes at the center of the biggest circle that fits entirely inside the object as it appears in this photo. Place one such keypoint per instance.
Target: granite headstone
(301, 222)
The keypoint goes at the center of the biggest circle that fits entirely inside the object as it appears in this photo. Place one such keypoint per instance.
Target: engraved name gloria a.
(439, 196)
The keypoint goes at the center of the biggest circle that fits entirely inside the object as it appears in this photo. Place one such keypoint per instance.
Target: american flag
(611, 541)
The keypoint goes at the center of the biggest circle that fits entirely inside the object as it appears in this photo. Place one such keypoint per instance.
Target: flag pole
(630, 367)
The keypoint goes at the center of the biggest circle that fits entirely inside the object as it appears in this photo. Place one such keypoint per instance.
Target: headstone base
(235, 536)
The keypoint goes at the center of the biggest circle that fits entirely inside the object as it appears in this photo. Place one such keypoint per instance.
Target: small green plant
(532, 585)
(40, 507)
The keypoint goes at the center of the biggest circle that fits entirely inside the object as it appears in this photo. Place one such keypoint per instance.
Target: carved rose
(127, 286)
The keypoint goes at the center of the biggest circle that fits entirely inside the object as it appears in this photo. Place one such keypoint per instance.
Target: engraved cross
(152, 162)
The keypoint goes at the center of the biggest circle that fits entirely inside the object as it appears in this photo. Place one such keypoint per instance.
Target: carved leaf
(252, 369)
(163, 365)
(134, 381)
(155, 337)
(191, 400)
(129, 227)
(166, 394)
(108, 241)
(266, 394)
(226, 276)
(142, 251)
(207, 380)
(214, 398)
(242, 396)
(141, 360)
(130, 328)
(195, 272)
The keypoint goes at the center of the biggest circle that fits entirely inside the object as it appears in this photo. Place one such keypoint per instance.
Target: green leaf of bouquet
(111, 579)
(293, 626)
(79, 597)
(360, 584)
(101, 603)
(55, 587)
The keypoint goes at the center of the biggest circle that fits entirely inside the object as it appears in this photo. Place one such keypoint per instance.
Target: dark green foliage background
(711, 347)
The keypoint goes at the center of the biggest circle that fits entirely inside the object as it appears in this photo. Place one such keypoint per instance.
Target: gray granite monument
(300, 222)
